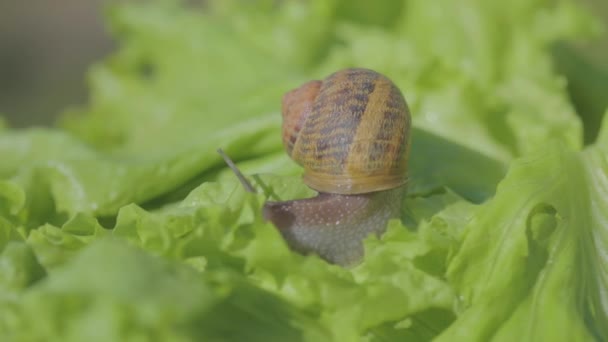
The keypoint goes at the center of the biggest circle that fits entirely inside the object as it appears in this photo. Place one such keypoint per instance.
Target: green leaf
(531, 264)
(123, 223)
(132, 295)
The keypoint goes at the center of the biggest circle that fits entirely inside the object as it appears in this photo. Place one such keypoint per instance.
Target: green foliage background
(121, 223)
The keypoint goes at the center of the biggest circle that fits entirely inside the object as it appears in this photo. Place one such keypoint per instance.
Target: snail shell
(350, 132)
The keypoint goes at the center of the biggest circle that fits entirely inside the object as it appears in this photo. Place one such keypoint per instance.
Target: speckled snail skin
(350, 133)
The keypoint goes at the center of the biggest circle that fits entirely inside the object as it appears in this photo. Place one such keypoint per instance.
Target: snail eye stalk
(248, 187)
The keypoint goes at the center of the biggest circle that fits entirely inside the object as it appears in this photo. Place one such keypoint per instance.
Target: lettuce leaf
(122, 222)
(133, 295)
(541, 266)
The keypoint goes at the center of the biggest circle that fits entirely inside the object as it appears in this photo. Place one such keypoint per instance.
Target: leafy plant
(122, 223)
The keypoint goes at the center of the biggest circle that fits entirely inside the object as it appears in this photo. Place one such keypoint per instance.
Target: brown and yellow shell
(350, 132)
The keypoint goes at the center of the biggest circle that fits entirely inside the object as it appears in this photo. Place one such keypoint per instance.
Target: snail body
(350, 133)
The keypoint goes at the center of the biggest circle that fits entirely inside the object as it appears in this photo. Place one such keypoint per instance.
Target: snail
(350, 133)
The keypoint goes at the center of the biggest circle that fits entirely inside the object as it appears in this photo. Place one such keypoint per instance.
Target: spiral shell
(350, 132)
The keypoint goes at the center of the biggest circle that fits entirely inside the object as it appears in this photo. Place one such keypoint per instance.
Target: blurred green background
(46, 48)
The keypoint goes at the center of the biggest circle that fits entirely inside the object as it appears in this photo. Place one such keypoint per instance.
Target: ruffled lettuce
(122, 222)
